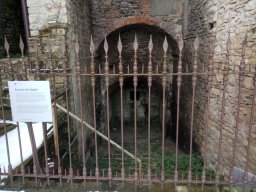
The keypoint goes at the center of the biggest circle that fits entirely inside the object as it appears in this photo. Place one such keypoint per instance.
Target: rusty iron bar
(223, 103)
(194, 81)
(36, 166)
(164, 72)
(55, 124)
(150, 48)
(107, 98)
(135, 84)
(240, 87)
(78, 72)
(93, 83)
(176, 173)
(250, 137)
(21, 155)
(66, 88)
(121, 84)
(10, 171)
(99, 133)
(209, 86)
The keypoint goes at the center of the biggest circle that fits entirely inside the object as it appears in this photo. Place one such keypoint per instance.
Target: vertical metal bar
(36, 168)
(223, 103)
(55, 123)
(66, 81)
(78, 68)
(44, 125)
(135, 83)
(210, 77)
(250, 137)
(165, 47)
(240, 87)
(92, 49)
(178, 108)
(121, 83)
(21, 155)
(194, 79)
(150, 48)
(6, 45)
(107, 97)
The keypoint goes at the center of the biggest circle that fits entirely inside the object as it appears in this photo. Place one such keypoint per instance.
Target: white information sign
(30, 101)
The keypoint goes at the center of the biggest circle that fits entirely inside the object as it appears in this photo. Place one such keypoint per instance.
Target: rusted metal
(93, 82)
(150, 48)
(107, 98)
(135, 84)
(121, 84)
(150, 73)
(176, 173)
(209, 86)
(164, 80)
(194, 81)
(223, 103)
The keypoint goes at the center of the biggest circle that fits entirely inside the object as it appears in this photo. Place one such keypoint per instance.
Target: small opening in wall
(212, 25)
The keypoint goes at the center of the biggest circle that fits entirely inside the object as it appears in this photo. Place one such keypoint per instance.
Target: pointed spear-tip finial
(150, 44)
(77, 45)
(244, 44)
(165, 45)
(196, 43)
(119, 45)
(106, 45)
(21, 46)
(181, 42)
(92, 46)
(228, 43)
(63, 46)
(6, 45)
(135, 44)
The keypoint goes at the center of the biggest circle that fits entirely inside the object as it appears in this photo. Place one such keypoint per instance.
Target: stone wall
(56, 21)
(110, 15)
(43, 13)
(11, 25)
(212, 21)
(78, 12)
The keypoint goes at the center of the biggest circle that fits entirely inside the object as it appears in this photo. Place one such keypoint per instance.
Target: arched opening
(161, 99)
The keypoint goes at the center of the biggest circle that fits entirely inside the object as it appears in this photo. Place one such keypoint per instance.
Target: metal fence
(164, 167)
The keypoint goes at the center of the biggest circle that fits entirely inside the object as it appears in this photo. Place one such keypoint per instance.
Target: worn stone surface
(212, 21)
(112, 15)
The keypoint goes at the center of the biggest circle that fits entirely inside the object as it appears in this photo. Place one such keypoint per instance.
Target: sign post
(31, 102)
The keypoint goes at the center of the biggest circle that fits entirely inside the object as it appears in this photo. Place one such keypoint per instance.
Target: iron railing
(142, 163)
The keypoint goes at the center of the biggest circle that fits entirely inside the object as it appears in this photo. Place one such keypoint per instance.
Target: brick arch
(114, 25)
(150, 24)
(134, 20)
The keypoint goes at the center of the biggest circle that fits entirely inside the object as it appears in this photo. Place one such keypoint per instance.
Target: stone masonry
(210, 20)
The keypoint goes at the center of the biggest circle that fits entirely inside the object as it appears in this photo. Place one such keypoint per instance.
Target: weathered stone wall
(11, 25)
(212, 21)
(56, 21)
(110, 15)
(79, 23)
(43, 13)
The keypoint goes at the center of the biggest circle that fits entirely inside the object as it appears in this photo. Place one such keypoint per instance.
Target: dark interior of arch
(127, 35)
